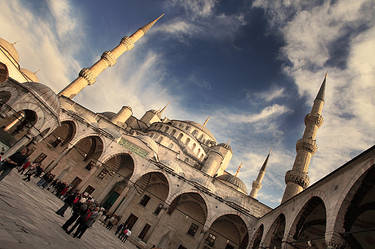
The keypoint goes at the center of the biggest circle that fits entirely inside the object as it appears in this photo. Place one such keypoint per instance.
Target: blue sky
(254, 67)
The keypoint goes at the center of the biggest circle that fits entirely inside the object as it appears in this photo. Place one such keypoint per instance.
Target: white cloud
(196, 8)
(268, 112)
(37, 45)
(349, 112)
(267, 96)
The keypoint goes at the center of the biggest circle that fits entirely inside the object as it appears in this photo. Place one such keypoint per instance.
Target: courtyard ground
(28, 220)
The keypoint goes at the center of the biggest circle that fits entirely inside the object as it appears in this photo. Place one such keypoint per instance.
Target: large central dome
(201, 127)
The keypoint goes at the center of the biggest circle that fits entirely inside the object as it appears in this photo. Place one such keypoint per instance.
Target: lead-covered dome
(149, 143)
(9, 47)
(202, 128)
(44, 94)
(234, 182)
(30, 75)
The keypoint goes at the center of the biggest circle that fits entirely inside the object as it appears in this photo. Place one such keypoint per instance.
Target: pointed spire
(322, 89)
(147, 27)
(238, 169)
(163, 109)
(265, 162)
(205, 122)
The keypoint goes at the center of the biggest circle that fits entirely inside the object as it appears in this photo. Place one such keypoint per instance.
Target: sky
(253, 67)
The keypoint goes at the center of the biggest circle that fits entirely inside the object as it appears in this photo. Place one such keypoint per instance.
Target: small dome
(234, 182)
(30, 75)
(9, 47)
(201, 127)
(45, 94)
(108, 115)
(149, 143)
(226, 146)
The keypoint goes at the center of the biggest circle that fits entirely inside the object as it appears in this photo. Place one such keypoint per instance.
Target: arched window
(199, 151)
(202, 156)
(201, 137)
(170, 146)
(187, 141)
(195, 132)
(187, 128)
(194, 145)
(180, 136)
(160, 139)
(186, 160)
(166, 129)
(173, 132)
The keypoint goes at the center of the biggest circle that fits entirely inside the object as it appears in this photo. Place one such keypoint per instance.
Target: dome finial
(238, 169)
(205, 122)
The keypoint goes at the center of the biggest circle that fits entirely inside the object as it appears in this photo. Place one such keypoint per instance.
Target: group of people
(85, 211)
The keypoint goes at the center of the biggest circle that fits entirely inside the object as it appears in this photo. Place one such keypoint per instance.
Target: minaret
(257, 184)
(297, 179)
(87, 76)
(238, 169)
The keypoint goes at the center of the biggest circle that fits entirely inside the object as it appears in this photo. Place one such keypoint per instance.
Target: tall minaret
(297, 179)
(87, 76)
(257, 184)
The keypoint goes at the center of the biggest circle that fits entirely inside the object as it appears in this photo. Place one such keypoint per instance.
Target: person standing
(68, 202)
(29, 173)
(17, 159)
(80, 205)
(24, 167)
(87, 221)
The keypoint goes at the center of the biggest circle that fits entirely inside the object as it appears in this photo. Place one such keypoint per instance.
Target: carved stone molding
(87, 75)
(314, 118)
(308, 145)
(108, 57)
(299, 178)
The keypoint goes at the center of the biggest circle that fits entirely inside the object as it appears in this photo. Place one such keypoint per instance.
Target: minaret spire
(238, 169)
(163, 109)
(205, 122)
(297, 179)
(257, 184)
(87, 76)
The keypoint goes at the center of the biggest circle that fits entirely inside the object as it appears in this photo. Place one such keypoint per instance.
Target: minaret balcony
(306, 144)
(314, 119)
(297, 177)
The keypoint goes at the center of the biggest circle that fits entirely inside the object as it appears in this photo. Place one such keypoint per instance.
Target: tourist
(119, 228)
(68, 202)
(79, 208)
(24, 167)
(87, 221)
(29, 173)
(127, 233)
(13, 161)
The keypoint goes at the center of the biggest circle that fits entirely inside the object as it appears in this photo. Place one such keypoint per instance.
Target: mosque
(167, 178)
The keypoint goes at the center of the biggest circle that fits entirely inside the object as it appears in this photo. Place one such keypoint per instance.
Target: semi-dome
(201, 127)
(234, 182)
(108, 115)
(30, 75)
(9, 47)
(226, 146)
(149, 143)
(44, 94)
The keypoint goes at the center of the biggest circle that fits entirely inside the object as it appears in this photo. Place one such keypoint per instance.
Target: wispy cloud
(268, 112)
(267, 96)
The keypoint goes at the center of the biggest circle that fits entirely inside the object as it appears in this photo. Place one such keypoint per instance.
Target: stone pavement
(28, 220)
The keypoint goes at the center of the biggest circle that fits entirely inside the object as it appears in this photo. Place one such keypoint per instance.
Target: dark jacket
(18, 158)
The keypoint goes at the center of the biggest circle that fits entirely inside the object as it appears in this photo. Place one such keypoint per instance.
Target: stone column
(58, 159)
(201, 238)
(128, 199)
(85, 181)
(119, 201)
(12, 124)
(20, 143)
